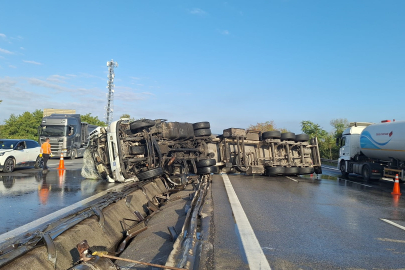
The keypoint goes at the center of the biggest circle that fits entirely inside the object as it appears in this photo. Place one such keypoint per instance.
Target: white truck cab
(350, 143)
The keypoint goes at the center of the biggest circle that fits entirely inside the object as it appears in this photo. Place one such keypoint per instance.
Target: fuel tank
(384, 141)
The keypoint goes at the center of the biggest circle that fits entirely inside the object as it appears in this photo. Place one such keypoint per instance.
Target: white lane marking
(254, 253)
(393, 223)
(293, 179)
(58, 214)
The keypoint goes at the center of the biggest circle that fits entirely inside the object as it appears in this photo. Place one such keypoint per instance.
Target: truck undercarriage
(144, 149)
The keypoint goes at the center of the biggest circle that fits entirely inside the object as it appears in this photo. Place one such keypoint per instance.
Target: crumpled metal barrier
(46, 233)
(185, 252)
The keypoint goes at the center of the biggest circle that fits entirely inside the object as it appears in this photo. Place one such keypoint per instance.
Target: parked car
(19, 153)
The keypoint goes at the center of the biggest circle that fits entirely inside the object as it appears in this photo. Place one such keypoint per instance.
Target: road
(28, 194)
(299, 222)
(304, 223)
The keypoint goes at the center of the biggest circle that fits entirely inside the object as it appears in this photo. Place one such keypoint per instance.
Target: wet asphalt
(29, 194)
(305, 223)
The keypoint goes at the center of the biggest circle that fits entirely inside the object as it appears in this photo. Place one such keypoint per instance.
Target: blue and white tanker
(376, 151)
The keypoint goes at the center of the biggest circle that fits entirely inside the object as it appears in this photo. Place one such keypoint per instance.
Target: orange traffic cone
(61, 163)
(396, 190)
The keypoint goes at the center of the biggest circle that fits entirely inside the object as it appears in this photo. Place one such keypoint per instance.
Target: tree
(24, 126)
(266, 126)
(340, 125)
(313, 130)
(125, 115)
(92, 120)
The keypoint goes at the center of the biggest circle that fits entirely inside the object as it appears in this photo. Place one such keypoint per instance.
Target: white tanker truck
(375, 151)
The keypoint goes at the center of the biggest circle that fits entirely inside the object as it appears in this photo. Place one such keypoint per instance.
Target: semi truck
(375, 151)
(67, 134)
(144, 149)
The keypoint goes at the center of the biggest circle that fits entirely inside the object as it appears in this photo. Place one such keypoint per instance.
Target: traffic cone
(61, 163)
(396, 190)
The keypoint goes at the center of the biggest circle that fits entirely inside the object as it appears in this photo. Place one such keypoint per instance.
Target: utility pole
(110, 95)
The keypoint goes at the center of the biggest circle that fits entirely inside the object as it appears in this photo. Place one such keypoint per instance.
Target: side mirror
(338, 141)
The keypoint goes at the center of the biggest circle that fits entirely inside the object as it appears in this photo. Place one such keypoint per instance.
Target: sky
(233, 63)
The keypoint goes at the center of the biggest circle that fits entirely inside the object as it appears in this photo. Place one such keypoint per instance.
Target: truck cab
(350, 146)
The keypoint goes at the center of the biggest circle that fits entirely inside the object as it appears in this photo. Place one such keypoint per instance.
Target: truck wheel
(302, 138)
(291, 171)
(201, 125)
(366, 173)
(145, 123)
(9, 165)
(205, 163)
(288, 136)
(318, 170)
(39, 163)
(149, 174)
(73, 154)
(305, 170)
(202, 132)
(274, 134)
(207, 170)
(343, 169)
(274, 171)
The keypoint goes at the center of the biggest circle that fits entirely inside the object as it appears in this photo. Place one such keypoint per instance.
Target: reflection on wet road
(27, 196)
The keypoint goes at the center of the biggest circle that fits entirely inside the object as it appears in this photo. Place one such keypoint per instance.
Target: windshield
(49, 131)
(8, 144)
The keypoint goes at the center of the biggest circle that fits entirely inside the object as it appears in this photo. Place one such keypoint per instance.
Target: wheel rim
(10, 165)
(343, 168)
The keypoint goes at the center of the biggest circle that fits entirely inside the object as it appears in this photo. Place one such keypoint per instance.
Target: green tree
(125, 115)
(24, 126)
(339, 125)
(266, 126)
(92, 120)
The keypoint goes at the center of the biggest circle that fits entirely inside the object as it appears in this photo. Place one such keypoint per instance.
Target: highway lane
(304, 223)
(28, 194)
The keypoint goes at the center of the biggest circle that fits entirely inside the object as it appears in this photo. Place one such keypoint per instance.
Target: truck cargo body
(375, 151)
(149, 148)
(67, 134)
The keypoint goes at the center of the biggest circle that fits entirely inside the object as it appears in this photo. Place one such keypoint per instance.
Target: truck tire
(73, 154)
(205, 163)
(201, 125)
(343, 169)
(366, 172)
(149, 174)
(202, 132)
(306, 170)
(274, 134)
(291, 171)
(318, 170)
(207, 170)
(141, 124)
(137, 150)
(288, 136)
(9, 165)
(302, 138)
(39, 163)
(274, 171)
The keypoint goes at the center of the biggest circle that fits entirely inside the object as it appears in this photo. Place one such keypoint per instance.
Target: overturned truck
(145, 149)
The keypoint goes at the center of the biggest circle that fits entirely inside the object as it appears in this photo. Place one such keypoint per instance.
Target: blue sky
(231, 63)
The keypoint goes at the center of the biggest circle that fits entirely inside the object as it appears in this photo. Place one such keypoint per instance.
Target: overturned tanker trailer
(145, 149)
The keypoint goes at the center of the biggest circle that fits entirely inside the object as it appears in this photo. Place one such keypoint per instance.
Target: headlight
(2, 154)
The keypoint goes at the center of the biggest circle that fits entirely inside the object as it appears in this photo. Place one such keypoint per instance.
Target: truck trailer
(67, 134)
(375, 151)
(144, 149)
